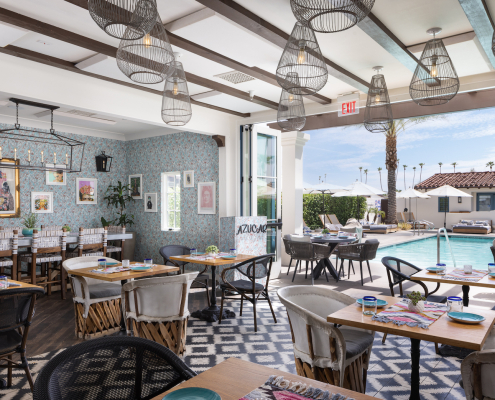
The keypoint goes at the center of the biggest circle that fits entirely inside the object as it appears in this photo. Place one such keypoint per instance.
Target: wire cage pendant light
(115, 16)
(176, 104)
(378, 112)
(302, 56)
(331, 16)
(291, 115)
(435, 79)
(493, 43)
(148, 59)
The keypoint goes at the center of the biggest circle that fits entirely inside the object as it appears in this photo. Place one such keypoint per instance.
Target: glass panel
(267, 198)
(177, 219)
(177, 183)
(170, 183)
(177, 201)
(271, 240)
(245, 174)
(170, 220)
(171, 202)
(267, 155)
(484, 202)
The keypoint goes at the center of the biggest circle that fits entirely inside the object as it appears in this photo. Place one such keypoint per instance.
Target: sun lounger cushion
(465, 222)
(471, 226)
(484, 223)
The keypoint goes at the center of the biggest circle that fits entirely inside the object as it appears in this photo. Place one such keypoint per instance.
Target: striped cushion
(114, 249)
(5, 262)
(86, 253)
(42, 258)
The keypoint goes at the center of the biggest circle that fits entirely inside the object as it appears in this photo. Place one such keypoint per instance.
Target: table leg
(123, 329)
(465, 295)
(415, 357)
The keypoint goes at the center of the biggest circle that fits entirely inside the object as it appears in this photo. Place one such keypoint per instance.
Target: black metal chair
(493, 252)
(112, 367)
(288, 251)
(166, 252)
(16, 313)
(358, 252)
(256, 268)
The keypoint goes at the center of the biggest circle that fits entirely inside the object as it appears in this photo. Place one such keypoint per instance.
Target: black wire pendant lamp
(115, 16)
(148, 59)
(291, 115)
(378, 112)
(176, 104)
(493, 43)
(435, 79)
(302, 56)
(329, 16)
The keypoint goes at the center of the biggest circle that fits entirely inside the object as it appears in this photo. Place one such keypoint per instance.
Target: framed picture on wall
(42, 202)
(188, 179)
(136, 182)
(150, 202)
(86, 191)
(10, 193)
(58, 177)
(207, 198)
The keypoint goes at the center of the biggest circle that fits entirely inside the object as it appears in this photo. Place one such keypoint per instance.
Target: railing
(417, 226)
(448, 242)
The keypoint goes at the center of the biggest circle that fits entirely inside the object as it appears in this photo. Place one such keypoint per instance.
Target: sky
(467, 138)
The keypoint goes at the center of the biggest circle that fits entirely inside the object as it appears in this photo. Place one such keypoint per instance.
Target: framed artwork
(136, 182)
(58, 177)
(150, 202)
(10, 193)
(86, 191)
(207, 198)
(188, 179)
(42, 202)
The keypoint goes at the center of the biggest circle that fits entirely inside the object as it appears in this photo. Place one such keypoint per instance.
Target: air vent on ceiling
(77, 114)
(235, 77)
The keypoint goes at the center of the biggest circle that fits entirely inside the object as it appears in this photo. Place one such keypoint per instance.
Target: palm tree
(380, 173)
(454, 164)
(405, 166)
(440, 163)
(361, 173)
(421, 164)
(490, 164)
(397, 173)
(414, 175)
(366, 174)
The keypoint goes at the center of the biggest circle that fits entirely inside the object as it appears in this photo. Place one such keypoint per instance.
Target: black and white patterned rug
(210, 343)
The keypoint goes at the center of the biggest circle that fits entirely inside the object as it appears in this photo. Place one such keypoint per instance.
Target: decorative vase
(212, 254)
(28, 231)
(418, 308)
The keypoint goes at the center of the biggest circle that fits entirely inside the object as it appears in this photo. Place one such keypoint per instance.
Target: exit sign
(348, 104)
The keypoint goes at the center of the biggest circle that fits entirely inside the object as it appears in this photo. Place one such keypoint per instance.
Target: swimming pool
(423, 253)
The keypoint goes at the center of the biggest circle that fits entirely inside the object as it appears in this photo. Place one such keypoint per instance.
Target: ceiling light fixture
(435, 79)
(378, 112)
(291, 115)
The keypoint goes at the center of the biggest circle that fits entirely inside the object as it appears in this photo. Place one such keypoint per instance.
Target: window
(485, 202)
(443, 204)
(170, 201)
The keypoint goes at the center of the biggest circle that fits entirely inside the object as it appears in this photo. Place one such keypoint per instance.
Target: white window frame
(164, 208)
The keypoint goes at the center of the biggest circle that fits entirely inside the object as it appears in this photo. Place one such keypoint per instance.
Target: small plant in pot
(416, 302)
(325, 232)
(118, 197)
(211, 250)
(30, 221)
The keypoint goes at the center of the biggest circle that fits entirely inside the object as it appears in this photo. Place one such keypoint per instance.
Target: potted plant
(118, 197)
(416, 302)
(67, 228)
(30, 221)
(211, 250)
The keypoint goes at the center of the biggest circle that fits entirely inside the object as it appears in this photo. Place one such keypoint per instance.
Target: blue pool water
(423, 253)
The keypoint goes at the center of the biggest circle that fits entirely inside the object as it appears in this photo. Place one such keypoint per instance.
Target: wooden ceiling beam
(69, 66)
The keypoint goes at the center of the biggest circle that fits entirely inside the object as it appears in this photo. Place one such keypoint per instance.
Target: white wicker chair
(96, 303)
(116, 249)
(91, 242)
(338, 356)
(156, 309)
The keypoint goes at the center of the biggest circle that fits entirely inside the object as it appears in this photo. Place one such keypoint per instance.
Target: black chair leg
(342, 268)
(207, 291)
(254, 313)
(295, 270)
(221, 307)
(369, 270)
(290, 263)
(242, 302)
(271, 308)
(325, 269)
(312, 276)
(349, 269)
(361, 267)
(306, 276)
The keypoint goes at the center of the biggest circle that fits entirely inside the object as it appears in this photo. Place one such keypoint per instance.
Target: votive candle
(54, 158)
(1, 152)
(41, 156)
(15, 154)
(66, 158)
(29, 155)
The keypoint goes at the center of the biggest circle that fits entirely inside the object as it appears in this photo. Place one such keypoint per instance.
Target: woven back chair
(11, 228)
(91, 243)
(287, 248)
(112, 367)
(16, 313)
(116, 247)
(308, 252)
(157, 309)
(358, 252)
(8, 252)
(253, 270)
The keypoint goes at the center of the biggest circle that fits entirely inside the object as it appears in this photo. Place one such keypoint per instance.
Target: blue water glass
(102, 263)
(491, 267)
(454, 303)
(441, 269)
(4, 283)
(148, 262)
(370, 304)
(194, 253)
(233, 252)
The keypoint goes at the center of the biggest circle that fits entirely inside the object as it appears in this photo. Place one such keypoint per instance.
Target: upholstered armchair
(336, 355)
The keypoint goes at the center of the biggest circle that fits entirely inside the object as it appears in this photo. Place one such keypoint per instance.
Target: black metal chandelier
(176, 104)
(435, 79)
(16, 140)
(331, 16)
(493, 43)
(291, 115)
(148, 59)
(378, 112)
(302, 56)
(115, 16)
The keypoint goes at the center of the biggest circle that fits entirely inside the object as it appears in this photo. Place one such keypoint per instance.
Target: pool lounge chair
(478, 226)
(382, 229)
(400, 217)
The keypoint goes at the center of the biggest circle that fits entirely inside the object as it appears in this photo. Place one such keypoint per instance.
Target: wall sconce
(459, 199)
(103, 162)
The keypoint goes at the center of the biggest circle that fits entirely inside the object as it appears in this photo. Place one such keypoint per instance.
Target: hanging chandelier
(302, 56)
(115, 16)
(16, 151)
(435, 80)
(176, 104)
(378, 112)
(148, 59)
(291, 115)
(331, 16)
(493, 43)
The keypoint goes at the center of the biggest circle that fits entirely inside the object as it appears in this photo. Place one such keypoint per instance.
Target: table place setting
(466, 274)
(112, 268)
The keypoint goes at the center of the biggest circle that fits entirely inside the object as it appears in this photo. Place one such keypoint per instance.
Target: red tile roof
(459, 180)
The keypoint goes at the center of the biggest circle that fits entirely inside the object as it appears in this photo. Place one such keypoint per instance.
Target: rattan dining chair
(310, 253)
(9, 247)
(113, 248)
(91, 242)
(358, 252)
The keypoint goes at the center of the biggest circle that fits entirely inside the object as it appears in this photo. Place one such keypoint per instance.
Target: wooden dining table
(20, 285)
(233, 378)
(444, 330)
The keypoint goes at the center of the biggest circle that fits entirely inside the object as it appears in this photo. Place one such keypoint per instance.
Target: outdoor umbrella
(412, 194)
(359, 189)
(323, 188)
(447, 191)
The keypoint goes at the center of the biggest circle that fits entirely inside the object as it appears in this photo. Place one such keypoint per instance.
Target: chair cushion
(5, 262)
(437, 299)
(42, 257)
(242, 284)
(114, 249)
(102, 290)
(9, 341)
(356, 341)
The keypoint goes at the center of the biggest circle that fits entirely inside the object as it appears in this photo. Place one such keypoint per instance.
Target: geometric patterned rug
(210, 343)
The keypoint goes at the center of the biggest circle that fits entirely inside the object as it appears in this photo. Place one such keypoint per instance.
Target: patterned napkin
(278, 388)
(110, 270)
(399, 314)
(459, 275)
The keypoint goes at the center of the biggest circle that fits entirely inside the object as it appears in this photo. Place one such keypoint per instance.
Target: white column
(292, 184)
